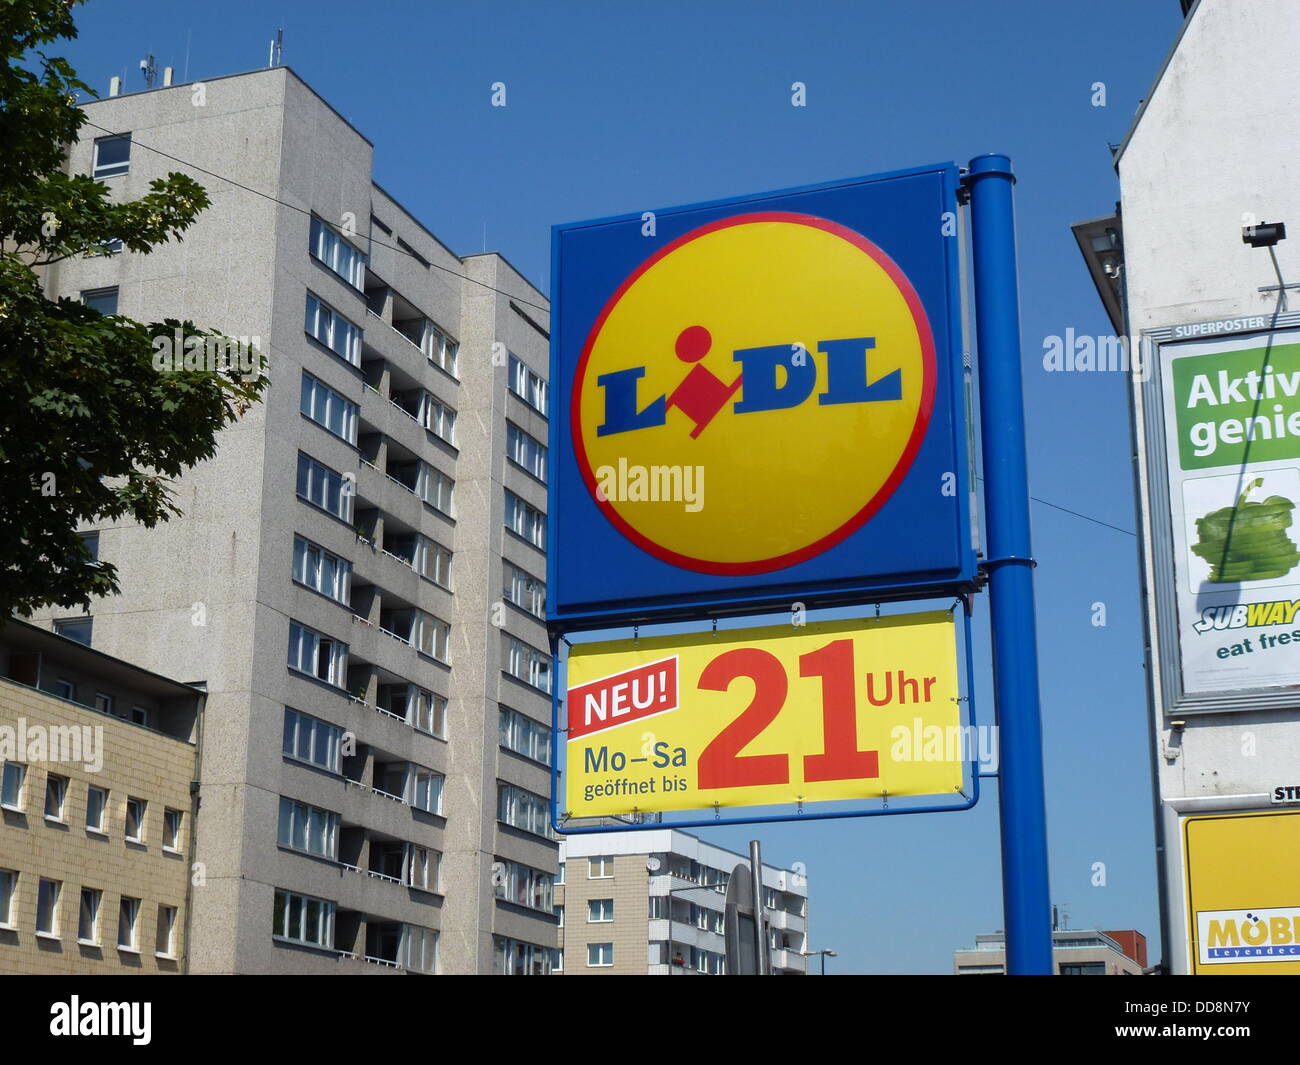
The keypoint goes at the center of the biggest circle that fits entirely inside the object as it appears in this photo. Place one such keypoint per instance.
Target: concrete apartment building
(1074, 953)
(651, 902)
(358, 577)
(1184, 273)
(96, 811)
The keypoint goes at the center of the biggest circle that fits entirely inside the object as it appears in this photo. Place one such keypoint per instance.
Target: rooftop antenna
(277, 49)
(149, 71)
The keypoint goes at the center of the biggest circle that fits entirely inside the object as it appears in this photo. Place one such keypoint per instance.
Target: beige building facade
(96, 810)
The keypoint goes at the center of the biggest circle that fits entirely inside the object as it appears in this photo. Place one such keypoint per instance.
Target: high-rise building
(652, 901)
(97, 812)
(358, 577)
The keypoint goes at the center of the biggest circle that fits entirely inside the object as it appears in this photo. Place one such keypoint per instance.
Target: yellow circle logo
(753, 393)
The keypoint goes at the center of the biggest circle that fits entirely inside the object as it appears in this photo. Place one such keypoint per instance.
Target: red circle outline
(869, 509)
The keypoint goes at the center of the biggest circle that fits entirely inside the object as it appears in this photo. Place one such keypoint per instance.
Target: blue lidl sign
(759, 400)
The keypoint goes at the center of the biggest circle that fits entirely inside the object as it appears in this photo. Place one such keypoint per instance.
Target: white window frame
(306, 647)
(97, 897)
(143, 805)
(308, 829)
(165, 947)
(336, 253)
(603, 862)
(331, 410)
(100, 170)
(526, 451)
(56, 787)
(322, 571)
(523, 735)
(600, 951)
(524, 662)
(318, 484)
(524, 590)
(324, 922)
(326, 325)
(8, 892)
(436, 488)
(527, 385)
(51, 916)
(173, 825)
(419, 949)
(600, 911)
(524, 810)
(13, 771)
(424, 789)
(438, 417)
(525, 520)
(300, 732)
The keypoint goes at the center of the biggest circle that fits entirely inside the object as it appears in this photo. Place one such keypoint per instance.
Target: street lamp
(824, 955)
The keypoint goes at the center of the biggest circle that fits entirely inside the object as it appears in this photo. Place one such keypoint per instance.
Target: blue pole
(1026, 898)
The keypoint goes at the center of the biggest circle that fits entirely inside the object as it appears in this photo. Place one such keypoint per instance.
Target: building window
(47, 907)
(317, 655)
(91, 542)
(435, 488)
(128, 914)
(328, 408)
(88, 917)
(56, 794)
(308, 739)
(430, 635)
(166, 940)
(510, 957)
(600, 911)
(64, 689)
(559, 916)
(172, 821)
(525, 520)
(103, 300)
(437, 417)
(308, 828)
(419, 950)
(435, 563)
(601, 868)
(424, 790)
(303, 919)
(526, 451)
(1086, 968)
(336, 253)
(325, 488)
(104, 702)
(527, 385)
(527, 663)
(420, 867)
(559, 876)
(322, 571)
(524, 590)
(337, 333)
(97, 810)
(11, 785)
(112, 156)
(522, 809)
(421, 709)
(135, 811)
(524, 886)
(77, 629)
(525, 736)
(140, 716)
(8, 888)
(442, 351)
(600, 955)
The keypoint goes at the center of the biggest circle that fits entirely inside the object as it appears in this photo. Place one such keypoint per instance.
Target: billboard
(1226, 484)
(759, 400)
(1243, 892)
(775, 716)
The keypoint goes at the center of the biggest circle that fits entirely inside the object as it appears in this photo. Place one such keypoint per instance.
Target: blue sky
(628, 107)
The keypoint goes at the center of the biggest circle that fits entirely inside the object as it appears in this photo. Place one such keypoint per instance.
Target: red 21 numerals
(721, 764)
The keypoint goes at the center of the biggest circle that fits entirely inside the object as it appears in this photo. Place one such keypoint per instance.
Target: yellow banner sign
(1243, 876)
(757, 717)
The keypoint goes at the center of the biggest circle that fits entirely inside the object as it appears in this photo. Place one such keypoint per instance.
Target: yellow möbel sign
(1243, 892)
(827, 711)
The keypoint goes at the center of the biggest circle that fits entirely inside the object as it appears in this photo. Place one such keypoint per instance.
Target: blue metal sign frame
(917, 543)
